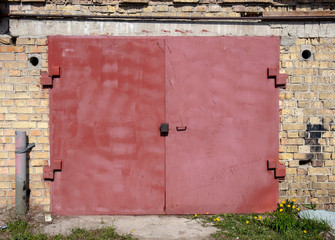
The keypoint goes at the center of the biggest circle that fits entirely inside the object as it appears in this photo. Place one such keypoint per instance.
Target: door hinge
(49, 171)
(279, 169)
(280, 78)
(47, 78)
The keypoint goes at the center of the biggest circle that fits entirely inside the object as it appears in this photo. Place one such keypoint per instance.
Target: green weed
(283, 223)
(19, 229)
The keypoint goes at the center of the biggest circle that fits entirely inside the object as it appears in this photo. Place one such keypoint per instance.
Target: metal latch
(164, 129)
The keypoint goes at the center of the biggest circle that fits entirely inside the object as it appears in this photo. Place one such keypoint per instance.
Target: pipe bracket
(26, 149)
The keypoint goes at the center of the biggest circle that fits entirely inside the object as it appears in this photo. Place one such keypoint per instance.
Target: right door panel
(223, 116)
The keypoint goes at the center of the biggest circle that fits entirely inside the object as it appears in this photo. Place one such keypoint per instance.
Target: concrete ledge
(33, 28)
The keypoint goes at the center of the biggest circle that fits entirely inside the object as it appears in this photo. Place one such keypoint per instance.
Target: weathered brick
(162, 8)
(293, 127)
(21, 110)
(201, 8)
(327, 95)
(291, 170)
(20, 95)
(4, 185)
(307, 71)
(214, 8)
(15, 65)
(296, 141)
(293, 164)
(24, 124)
(303, 156)
(7, 57)
(36, 193)
(302, 171)
(330, 186)
(25, 41)
(294, 134)
(42, 125)
(331, 178)
(43, 200)
(41, 155)
(327, 72)
(43, 140)
(319, 171)
(284, 156)
(36, 49)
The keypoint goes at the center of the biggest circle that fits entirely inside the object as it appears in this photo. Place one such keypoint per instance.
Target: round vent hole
(34, 61)
(306, 54)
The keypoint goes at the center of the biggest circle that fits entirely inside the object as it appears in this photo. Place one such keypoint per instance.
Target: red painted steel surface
(105, 116)
(218, 88)
(105, 113)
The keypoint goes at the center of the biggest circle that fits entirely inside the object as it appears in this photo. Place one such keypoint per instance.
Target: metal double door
(107, 115)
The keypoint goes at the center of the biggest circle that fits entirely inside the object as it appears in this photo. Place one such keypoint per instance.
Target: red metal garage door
(218, 91)
(111, 98)
(104, 113)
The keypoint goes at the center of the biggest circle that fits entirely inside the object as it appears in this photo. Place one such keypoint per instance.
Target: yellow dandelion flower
(131, 231)
(280, 210)
(247, 222)
(195, 215)
(207, 213)
(305, 231)
(260, 217)
(293, 200)
(293, 207)
(298, 209)
(218, 219)
(255, 217)
(288, 205)
(281, 205)
(283, 202)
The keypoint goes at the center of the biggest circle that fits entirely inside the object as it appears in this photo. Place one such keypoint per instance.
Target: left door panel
(105, 113)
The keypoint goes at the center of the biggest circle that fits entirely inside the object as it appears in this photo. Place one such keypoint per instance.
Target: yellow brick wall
(24, 106)
(307, 122)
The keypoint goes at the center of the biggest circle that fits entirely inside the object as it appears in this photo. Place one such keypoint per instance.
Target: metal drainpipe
(21, 150)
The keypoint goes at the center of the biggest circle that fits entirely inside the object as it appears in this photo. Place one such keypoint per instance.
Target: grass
(283, 223)
(19, 229)
(245, 226)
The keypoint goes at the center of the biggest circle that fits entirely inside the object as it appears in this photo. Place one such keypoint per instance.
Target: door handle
(164, 129)
(181, 128)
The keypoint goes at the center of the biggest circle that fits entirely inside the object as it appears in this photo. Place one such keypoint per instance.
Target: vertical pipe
(20, 172)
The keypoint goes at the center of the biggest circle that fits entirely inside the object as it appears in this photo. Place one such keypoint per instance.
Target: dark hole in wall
(304, 162)
(14, 40)
(306, 54)
(34, 61)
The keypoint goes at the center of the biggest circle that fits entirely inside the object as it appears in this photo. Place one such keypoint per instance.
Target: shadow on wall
(4, 22)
